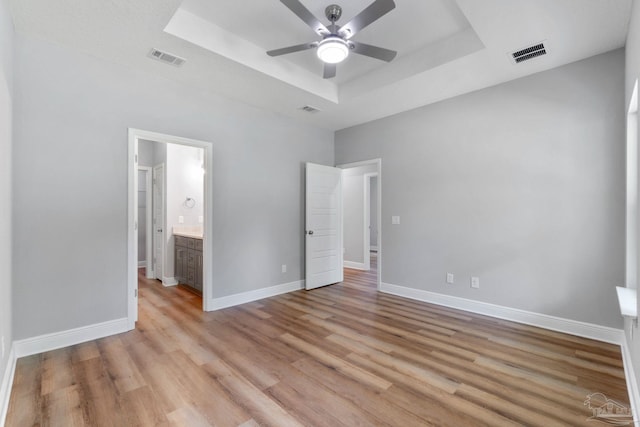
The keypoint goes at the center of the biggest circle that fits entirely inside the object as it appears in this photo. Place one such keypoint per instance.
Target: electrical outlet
(449, 277)
(395, 220)
(180, 219)
(284, 268)
(475, 282)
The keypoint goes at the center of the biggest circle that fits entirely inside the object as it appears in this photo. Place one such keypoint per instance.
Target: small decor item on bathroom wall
(190, 202)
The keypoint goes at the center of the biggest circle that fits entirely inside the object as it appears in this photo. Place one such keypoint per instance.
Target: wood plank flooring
(342, 355)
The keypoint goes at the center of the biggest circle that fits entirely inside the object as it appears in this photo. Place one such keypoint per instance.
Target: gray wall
(142, 215)
(146, 153)
(521, 184)
(6, 108)
(632, 73)
(71, 213)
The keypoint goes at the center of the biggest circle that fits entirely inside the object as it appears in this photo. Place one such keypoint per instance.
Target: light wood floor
(342, 355)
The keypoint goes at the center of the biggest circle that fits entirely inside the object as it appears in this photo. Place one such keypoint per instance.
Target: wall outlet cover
(475, 282)
(395, 220)
(180, 219)
(449, 277)
(284, 268)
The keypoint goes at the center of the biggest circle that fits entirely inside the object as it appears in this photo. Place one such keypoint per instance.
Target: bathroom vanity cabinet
(188, 261)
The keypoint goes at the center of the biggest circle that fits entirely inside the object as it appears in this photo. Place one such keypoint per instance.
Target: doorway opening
(177, 183)
(362, 194)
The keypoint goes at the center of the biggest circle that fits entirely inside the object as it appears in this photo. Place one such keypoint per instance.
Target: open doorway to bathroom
(169, 215)
(361, 192)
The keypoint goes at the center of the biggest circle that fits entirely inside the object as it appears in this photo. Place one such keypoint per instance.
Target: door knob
(159, 230)
(310, 232)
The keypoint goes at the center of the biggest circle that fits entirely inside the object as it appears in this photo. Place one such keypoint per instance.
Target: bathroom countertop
(192, 232)
(193, 235)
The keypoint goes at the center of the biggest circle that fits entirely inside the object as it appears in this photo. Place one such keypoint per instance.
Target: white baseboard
(169, 281)
(568, 326)
(7, 383)
(632, 384)
(48, 342)
(373, 248)
(151, 274)
(245, 297)
(142, 264)
(354, 265)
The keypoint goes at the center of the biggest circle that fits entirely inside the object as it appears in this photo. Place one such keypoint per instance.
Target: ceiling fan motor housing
(333, 12)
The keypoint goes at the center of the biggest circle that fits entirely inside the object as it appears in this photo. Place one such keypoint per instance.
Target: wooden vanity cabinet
(189, 262)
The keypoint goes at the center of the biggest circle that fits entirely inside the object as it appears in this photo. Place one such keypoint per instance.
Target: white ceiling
(445, 47)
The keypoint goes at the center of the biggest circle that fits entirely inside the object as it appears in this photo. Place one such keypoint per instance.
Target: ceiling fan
(336, 40)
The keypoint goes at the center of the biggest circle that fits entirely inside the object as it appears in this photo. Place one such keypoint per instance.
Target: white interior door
(158, 222)
(323, 241)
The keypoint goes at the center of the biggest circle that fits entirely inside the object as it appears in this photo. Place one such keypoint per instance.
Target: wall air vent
(166, 57)
(529, 53)
(309, 109)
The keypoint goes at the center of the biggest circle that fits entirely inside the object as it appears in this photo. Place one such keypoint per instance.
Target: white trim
(568, 326)
(7, 383)
(630, 377)
(245, 297)
(142, 264)
(149, 220)
(169, 281)
(132, 234)
(631, 217)
(366, 232)
(355, 265)
(56, 340)
(159, 252)
(373, 248)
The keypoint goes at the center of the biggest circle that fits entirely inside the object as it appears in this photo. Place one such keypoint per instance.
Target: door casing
(132, 214)
(377, 162)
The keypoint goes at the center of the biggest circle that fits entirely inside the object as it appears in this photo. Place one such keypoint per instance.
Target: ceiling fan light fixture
(333, 50)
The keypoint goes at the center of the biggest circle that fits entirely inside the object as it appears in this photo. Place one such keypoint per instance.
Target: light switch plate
(395, 220)
(449, 277)
(284, 268)
(475, 282)
(180, 219)
(200, 219)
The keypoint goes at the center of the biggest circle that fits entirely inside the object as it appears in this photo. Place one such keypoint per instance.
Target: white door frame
(160, 224)
(132, 238)
(367, 220)
(377, 162)
(149, 225)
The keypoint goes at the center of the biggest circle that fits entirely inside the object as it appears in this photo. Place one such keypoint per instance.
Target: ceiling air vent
(166, 57)
(529, 53)
(310, 109)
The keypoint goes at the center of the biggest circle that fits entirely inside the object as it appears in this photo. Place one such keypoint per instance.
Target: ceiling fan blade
(329, 71)
(373, 12)
(373, 51)
(291, 49)
(303, 13)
